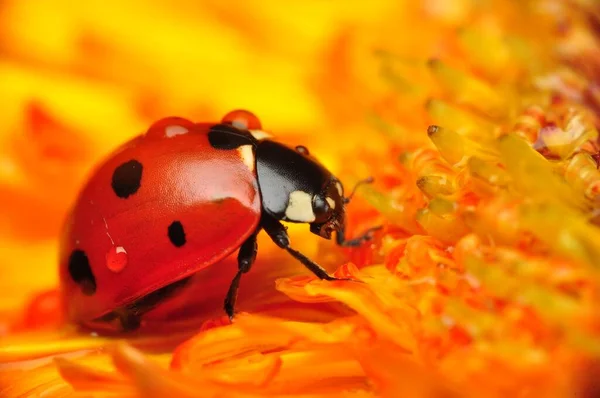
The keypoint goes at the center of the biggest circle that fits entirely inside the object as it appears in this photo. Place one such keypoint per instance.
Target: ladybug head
(328, 206)
(296, 187)
(331, 215)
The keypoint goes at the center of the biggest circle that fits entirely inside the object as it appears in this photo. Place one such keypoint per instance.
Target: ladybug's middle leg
(246, 257)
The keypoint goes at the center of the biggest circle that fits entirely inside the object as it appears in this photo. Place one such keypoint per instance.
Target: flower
(477, 120)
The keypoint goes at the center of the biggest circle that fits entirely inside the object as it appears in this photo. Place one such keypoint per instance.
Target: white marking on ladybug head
(247, 155)
(330, 202)
(339, 188)
(259, 134)
(172, 131)
(299, 207)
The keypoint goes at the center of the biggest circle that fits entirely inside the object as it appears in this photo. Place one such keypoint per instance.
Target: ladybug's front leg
(279, 235)
(368, 235)
(246, 257)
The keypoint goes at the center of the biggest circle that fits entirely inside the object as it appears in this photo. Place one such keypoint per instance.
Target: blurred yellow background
(487, 273)
(78, 78)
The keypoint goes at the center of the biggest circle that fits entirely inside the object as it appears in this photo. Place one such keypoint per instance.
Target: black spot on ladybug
(223, 136)
(81, 272)
(127, 178)
(176, 234)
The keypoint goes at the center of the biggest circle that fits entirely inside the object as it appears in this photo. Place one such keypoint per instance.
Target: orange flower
(477, 120)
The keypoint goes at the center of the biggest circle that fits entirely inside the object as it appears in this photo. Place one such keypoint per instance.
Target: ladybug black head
(329, 208)
(296, 187)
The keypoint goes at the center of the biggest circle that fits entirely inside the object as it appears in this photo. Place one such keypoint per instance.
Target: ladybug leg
(246, 257)
(368, 235)
(278, 233)
(128, 319)
(130, 316)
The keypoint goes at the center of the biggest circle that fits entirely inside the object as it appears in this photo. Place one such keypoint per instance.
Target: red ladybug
(180, 198)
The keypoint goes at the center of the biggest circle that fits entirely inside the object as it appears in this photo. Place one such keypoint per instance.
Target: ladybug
(181, 197)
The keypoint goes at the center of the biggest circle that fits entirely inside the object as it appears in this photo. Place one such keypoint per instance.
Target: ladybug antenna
(368, 180)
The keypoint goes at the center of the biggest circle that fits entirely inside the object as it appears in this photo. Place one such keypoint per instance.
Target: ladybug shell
(160, 208)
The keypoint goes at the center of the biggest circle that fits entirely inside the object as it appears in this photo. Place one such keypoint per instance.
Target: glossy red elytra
(182, 197)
